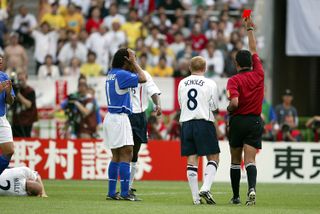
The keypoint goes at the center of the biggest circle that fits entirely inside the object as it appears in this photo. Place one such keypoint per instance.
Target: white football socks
(132, 173)
(209, 174)
(192, 174)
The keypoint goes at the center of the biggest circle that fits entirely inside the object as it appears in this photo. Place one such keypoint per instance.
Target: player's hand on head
(132, 56)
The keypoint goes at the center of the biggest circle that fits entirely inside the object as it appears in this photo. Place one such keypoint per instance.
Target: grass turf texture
(162, 197)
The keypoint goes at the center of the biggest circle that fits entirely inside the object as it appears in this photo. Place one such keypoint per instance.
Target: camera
(316, 124)
(285, 128)
(15, 82)
(70, 109)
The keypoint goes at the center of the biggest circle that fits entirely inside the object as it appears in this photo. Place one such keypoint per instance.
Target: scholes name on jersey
(194, 82)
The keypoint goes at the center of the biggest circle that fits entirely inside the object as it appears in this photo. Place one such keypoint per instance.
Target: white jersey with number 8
(198, 98)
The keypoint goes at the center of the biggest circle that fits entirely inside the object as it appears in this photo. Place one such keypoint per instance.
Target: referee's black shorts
(138, 123)
(199, 137)
(245, 129)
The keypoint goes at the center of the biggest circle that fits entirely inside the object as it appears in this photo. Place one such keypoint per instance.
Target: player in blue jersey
(6, 140)
(117, 131)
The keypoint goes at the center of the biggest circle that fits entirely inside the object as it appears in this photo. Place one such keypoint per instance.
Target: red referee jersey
(248, 86)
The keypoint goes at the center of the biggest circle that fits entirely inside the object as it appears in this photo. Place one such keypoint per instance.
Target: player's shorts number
(192, 102)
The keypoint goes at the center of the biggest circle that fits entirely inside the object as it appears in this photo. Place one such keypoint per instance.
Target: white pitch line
(175, 193)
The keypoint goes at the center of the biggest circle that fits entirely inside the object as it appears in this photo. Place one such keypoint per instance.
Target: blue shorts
(139, 127)
(199, 137)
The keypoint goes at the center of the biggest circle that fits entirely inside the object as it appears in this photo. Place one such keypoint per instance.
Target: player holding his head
(21, 181)
(245, 92)
(198, 100)
(6, 139)
(116, 125)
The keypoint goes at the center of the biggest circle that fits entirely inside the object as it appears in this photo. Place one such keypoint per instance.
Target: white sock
(132, 173)
(192, 174)
(209, 174)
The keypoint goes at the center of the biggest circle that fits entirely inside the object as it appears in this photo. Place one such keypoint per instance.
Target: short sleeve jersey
(118, 83)
(198, 98)
(141, 94)
(248, 86)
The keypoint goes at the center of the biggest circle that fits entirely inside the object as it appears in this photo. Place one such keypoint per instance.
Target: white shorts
(117, 131)
(5, 131)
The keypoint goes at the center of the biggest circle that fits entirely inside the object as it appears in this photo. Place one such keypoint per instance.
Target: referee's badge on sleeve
(228, 94)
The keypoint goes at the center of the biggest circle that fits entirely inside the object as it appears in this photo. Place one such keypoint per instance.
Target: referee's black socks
(251, 175)
(235, 175)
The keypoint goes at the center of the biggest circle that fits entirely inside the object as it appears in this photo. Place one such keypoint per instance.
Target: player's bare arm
(251, 37)
(156, 100)
(43, 192)
(136, 67)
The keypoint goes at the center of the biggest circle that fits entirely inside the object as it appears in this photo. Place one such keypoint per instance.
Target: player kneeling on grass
(198, 100)
(21, 181)
(117, 131)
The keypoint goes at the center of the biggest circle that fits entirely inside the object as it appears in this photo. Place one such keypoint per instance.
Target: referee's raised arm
(256, 63)
(252, 39)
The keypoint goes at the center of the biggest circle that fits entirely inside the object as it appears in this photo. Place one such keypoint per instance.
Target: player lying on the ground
(21, 181)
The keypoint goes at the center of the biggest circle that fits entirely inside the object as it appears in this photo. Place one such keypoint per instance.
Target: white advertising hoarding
(280, 162)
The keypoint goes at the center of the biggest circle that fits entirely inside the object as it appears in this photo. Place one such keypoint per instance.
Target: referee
(245, 92)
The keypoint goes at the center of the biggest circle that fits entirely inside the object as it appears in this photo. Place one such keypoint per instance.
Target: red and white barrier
(161, 160)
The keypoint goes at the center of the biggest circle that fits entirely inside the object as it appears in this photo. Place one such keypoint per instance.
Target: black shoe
(207, 196)
(235, 201)
(115, 197)
(130, 198)
(132, 191)
(251, 200)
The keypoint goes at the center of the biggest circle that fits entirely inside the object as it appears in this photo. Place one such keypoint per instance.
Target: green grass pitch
(77, 197)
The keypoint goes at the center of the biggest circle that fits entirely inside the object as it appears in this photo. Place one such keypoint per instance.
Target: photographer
(287, 131)
(81, 112)
(314, 124)
(24, 109)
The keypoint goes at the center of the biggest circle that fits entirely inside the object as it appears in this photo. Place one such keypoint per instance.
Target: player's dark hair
(244, 59)
(119, 58)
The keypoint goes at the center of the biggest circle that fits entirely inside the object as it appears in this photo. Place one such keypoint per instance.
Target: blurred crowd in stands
(79, 37)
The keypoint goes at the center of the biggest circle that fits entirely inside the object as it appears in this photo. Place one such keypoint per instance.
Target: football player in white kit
(21, 181)
(198, 100)
(140, 100)
(6, 139)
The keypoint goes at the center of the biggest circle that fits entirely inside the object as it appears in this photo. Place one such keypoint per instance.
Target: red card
(246, 13)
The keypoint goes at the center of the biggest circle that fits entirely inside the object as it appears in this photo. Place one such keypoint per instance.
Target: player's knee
(249, 161)
(213, 157)
(193, 160)
(126, 153)
(235, 160)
